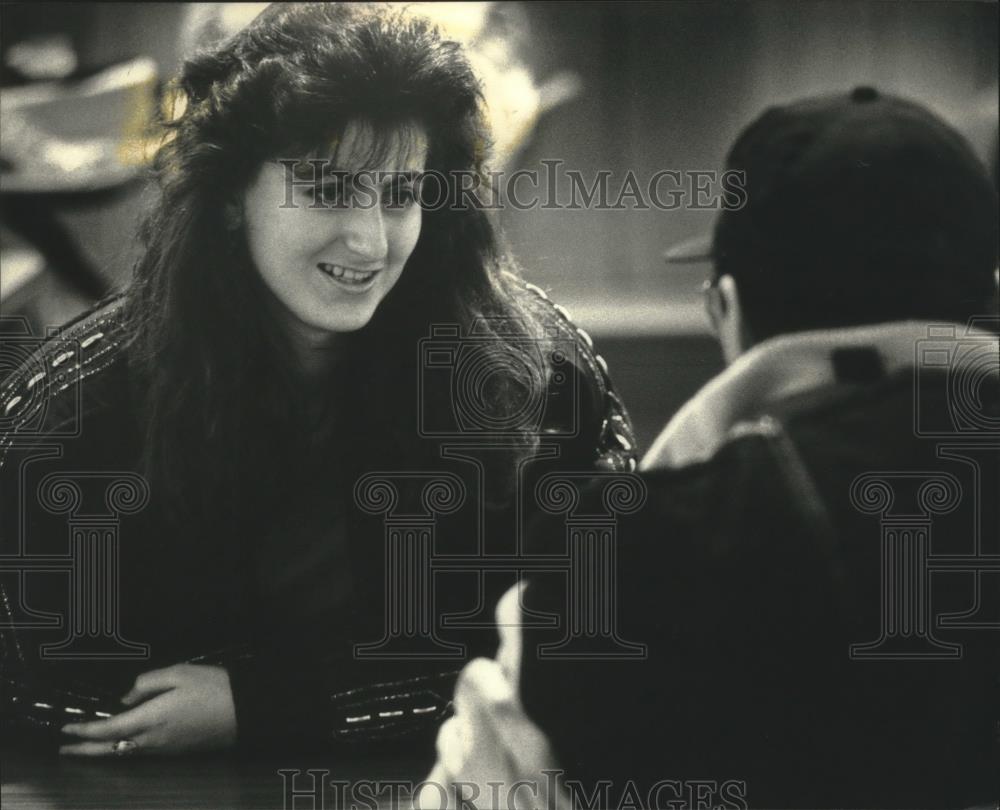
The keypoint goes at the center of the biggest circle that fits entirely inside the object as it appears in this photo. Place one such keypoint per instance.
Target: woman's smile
(331, 266)
(351, 280)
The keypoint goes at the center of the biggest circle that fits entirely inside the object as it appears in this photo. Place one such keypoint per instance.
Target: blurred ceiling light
(491, 33)
(43, 58)
(461, 21)
(85, 135)
(206, 24)
(515, 99)
(20, 265)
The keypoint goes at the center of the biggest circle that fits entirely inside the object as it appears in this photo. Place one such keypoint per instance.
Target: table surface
(209, 783)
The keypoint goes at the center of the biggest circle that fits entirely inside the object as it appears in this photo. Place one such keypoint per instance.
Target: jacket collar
(781, 367)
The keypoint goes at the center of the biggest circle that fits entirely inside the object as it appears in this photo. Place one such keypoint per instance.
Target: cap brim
(690, 251)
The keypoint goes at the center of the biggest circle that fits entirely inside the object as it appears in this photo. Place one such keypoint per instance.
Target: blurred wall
(664, 86)
(669, 85)
(101, 34)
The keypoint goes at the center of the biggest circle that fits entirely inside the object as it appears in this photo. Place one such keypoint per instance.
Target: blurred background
(613, 86)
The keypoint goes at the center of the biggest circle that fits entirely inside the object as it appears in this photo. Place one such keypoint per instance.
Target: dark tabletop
(207, 783)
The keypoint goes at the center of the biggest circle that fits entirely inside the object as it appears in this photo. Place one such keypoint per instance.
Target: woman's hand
(179, 709)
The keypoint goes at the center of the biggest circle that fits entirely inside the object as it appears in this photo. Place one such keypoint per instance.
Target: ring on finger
(124, 748)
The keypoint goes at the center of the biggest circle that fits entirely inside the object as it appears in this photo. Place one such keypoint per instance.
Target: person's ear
(714, 305)
(727, 317)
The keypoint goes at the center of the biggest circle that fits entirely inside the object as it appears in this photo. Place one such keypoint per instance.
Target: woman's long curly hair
(224, 410)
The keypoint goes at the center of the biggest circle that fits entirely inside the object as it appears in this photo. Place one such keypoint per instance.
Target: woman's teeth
(346, 275)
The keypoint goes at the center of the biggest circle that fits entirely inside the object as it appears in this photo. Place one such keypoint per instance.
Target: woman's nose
(364, 232)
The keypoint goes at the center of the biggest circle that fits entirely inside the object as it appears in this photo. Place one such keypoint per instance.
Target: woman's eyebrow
(317, 169)
(380, 177)
(405, 176)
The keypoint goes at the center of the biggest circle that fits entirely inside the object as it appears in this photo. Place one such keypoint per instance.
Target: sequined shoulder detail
(44, 369)
(616, 448)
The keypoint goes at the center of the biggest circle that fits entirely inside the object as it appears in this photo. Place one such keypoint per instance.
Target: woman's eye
(400, 196)
(324, 194)
(328, 193)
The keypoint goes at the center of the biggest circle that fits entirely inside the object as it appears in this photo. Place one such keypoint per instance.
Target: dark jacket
(817, 588)
(97, 586)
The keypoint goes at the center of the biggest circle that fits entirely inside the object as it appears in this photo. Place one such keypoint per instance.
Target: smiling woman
(282, 342)
(330, 258)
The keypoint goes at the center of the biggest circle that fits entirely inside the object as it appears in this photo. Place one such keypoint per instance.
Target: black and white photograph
(504, 405)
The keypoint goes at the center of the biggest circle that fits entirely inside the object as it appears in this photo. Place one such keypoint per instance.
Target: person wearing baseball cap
(812, 577)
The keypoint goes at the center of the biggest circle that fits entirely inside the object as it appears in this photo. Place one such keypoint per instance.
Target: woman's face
(331, 251)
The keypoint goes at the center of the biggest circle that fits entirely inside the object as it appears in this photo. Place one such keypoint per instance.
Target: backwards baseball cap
(851, 194)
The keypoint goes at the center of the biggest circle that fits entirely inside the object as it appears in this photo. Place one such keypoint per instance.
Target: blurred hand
(490, 753)
(180, 709)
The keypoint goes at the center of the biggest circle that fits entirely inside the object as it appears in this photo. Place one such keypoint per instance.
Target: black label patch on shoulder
(857, 364)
